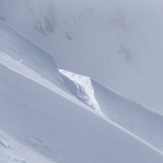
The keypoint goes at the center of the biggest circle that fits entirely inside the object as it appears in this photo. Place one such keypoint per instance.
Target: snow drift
(81, 87)
(134, 117)
(60, 130)
(121, 38)
(40, 121)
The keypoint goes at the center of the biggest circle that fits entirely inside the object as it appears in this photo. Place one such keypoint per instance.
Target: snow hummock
(81, 87)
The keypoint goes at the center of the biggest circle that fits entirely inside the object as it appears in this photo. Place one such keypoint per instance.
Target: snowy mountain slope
(81, 87)
(134, 117)
(27, 52)
(122, 39)
(61, 130)
(50, 122)
(21, 55)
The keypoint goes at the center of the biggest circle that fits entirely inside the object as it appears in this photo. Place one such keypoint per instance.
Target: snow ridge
(20, 68)
(81, 87)
(126, 114)
(135, 118)
(21, 48)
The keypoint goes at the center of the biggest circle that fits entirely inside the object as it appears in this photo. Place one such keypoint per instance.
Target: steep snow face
(135, 118)
(23, 51)
(81, 87)
(60, 130)
(20, 68)
(122, 39)
(24, 57)
(44, 123)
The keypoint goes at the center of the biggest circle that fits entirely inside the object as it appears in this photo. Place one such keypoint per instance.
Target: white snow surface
(137, 119)
(121, 38)
(14, 151)
(22, 54)
(23, 50)
(81, 87)
(60, 130)
(40, 121)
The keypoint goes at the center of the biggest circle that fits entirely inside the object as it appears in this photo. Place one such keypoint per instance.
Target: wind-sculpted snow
(81, 87)
(32, 15)
(20, 48)
(137, 119)
(58, 129)
(12, 151)
(40, 122)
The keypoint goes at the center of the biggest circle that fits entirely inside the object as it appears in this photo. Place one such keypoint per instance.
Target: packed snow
(81, 87)
(60, 130)
(135, 118)
(121, 38)
(49, 115)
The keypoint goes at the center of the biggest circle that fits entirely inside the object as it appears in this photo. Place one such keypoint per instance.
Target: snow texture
(137, 119)
(43, 120)
(121, 38)
(81, 87)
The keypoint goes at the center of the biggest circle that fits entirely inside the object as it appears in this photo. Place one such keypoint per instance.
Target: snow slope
(134, 117)
(13, 151)
(27, 52)
(40, 121)
(121, 38)
(22, 54)
(60, 130)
